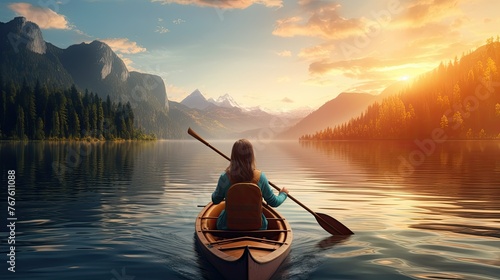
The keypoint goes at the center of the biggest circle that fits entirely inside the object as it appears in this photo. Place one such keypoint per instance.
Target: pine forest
(44, 113)
(458, 100)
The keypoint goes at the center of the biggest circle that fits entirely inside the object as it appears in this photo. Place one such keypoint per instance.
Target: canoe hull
(244, 255)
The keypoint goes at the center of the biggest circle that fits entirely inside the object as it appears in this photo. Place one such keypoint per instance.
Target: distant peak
(19, 20)
(197, 92)
(30, 33)
(99, 45)
(225, 100)
(196, 100)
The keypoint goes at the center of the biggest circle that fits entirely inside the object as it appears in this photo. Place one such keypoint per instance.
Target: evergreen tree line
(459, 100)
(38, 113)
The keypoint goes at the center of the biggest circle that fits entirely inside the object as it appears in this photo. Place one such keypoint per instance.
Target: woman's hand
(284, 190)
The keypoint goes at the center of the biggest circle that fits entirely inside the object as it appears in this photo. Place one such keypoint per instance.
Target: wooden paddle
(328, 223)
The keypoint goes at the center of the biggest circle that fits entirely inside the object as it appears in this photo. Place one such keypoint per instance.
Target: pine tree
(93, 119)
(63, 115)
(100, 118)
(85, 123)
(76, 125)
(108, 107)
(31, 118)
(39, 132)
(129, 120)
(56, 125)
(20, 124)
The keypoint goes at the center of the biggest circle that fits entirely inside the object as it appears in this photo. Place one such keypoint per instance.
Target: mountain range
(456, 100)
(333, 112)
(225, 101)
(337, 111)
(240, 121)
(25, 57)
(94, 67)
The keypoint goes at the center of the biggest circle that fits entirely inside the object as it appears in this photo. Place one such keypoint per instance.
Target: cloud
(178, 21)
(316, 52)
(225, 4)
(355, 65)
(162, 30)
(371, 86)
(45, 18)
(373, 73)
(325, 22)
(123, 45)
(420, 13)
(382, 43)
(367, 68)
(284, 53)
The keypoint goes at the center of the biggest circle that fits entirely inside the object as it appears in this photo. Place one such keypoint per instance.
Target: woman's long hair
(242, 163)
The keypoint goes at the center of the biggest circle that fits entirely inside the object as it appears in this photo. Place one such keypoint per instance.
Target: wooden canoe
(255, 254)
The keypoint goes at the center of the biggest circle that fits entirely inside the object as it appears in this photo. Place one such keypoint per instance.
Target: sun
(404, 78)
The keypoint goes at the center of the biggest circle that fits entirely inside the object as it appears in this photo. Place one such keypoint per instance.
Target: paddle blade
(331, 225)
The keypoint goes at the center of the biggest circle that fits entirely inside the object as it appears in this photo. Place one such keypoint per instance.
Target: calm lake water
(127, 210)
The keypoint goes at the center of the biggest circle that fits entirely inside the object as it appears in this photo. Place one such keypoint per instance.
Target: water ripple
(128, 210)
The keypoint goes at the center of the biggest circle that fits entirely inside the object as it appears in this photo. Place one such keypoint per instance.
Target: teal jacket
(267, 193)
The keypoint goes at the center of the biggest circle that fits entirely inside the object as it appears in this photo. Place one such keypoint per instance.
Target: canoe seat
(244, 207)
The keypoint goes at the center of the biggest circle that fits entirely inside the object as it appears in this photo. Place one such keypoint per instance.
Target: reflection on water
(458, 179)
(127, 209)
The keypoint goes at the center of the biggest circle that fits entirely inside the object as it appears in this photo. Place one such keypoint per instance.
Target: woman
(242, 169)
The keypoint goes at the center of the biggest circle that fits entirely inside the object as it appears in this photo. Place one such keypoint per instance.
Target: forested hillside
(458, 100)
(42, 113)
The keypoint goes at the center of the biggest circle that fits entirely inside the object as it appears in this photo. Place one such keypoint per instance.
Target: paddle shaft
(323, 222)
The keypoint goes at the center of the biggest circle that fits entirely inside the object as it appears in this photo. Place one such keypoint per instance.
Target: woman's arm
(268, 195)
(220, 191)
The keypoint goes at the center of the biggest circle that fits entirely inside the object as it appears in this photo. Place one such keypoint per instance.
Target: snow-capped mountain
(226, 101)
(197, 100)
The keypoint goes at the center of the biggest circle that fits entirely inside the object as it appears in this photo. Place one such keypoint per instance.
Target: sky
(276, 54)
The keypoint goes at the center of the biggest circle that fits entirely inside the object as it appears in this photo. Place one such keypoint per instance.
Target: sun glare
(403, 78)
